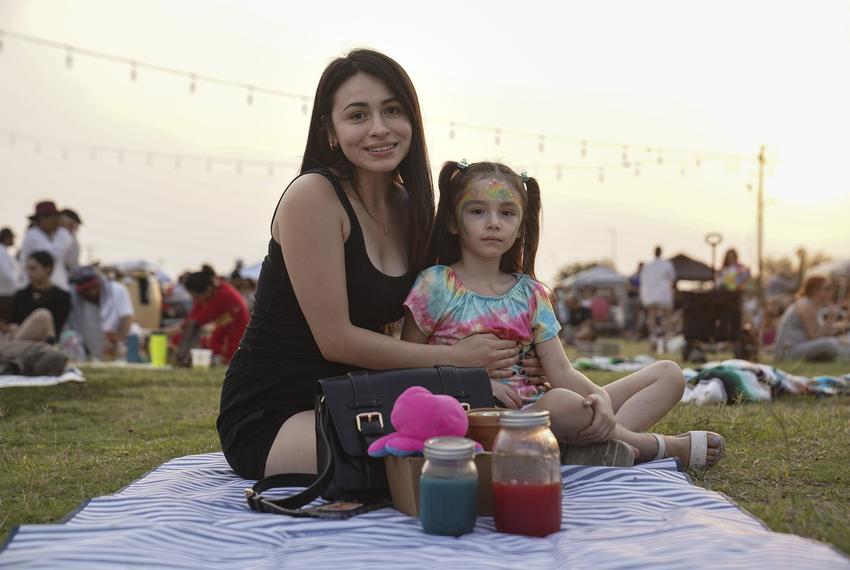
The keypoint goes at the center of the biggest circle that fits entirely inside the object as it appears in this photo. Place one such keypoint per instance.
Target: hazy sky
(691, 79)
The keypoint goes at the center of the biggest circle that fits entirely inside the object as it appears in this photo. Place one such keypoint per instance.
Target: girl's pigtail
(443, 247)
(531, 232)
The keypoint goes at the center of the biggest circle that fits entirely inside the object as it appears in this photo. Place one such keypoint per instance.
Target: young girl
(485, 240)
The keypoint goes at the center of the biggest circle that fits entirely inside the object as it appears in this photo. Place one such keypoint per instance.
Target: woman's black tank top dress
(274, 372)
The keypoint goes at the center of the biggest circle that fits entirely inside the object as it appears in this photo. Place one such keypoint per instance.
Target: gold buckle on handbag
(369, 416)
(466, 407)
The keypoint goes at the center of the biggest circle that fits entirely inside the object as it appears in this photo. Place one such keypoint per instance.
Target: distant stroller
(710, 317)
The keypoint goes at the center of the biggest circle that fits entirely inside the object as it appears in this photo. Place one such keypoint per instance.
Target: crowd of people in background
(88, 312)
(798, 320)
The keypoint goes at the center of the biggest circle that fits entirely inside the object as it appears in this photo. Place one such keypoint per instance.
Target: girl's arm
(310, 226)
(560, 371)
(410, 332)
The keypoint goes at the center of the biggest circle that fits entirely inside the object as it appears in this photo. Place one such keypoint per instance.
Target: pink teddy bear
(419, 415)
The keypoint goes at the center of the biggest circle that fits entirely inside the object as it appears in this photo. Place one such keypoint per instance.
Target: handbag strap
(315, 485)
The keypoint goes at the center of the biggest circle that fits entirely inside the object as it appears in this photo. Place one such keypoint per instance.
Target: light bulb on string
(193, 83)
(682, 171)
(660, 159)
(637, 169)
(584, 149)
(69, 57)
(559, 174)
(601, 175)
(625, 156)
(451, 130)
(648, 150)
(540, 139)
(498, 137)
(134, 74)
(698, 162)
(250, 98)
(304, 106)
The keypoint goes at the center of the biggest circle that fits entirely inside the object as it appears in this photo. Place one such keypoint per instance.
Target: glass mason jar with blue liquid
(448, 486)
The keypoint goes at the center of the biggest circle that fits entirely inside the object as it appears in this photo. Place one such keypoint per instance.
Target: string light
(73, 51)
(637, 169)
(559, 173)
(149, 159)
(601, 175)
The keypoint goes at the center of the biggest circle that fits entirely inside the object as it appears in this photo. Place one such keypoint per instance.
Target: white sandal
(699, 448)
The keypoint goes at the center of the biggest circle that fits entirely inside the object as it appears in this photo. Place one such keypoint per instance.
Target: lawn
(787, 461)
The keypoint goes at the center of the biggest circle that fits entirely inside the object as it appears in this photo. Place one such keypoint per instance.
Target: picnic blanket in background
(191, 513)
(737, 381)
(70, 375)
(613, 363)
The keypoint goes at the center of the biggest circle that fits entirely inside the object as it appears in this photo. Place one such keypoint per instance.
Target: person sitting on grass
(40, 309)
(101, 312)
(216, 301)
(800, 336)
(485, 241)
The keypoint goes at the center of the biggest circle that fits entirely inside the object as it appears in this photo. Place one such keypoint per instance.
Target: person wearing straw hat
(47, 234)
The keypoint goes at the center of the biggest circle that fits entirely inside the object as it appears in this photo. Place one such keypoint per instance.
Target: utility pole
(760, 226)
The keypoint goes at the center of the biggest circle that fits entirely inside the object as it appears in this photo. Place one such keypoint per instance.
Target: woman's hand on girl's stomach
(533, 369)
(486, 350)
(506, 395)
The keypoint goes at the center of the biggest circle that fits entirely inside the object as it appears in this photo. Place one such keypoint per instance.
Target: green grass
(787, 461)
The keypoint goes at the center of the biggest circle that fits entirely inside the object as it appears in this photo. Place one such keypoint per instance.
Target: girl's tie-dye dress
(446, 311)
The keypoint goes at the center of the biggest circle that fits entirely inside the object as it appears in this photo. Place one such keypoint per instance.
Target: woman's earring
(333, 144)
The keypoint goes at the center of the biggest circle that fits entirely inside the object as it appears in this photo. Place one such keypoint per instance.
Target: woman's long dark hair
(444, 247)
(413, 172)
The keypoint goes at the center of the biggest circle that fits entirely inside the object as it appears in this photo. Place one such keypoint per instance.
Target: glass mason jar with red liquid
(526, 475)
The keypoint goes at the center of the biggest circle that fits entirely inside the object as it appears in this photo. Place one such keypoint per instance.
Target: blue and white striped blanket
(190, 513)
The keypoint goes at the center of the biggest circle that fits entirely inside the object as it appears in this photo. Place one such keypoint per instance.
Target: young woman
(801, 336)
(347, 239)
(217, 301)
(40, 309)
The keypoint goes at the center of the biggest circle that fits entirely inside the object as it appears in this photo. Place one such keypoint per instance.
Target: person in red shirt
(216, 301)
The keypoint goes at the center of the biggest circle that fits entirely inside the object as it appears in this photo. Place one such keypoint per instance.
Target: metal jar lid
(525, 418)
(449, 448)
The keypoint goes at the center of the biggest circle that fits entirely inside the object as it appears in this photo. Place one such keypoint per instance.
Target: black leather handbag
(352, 411)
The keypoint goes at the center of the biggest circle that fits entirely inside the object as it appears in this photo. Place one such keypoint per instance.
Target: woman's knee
(42, 316)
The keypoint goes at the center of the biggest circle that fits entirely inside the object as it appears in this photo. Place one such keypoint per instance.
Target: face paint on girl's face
(497, 192)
